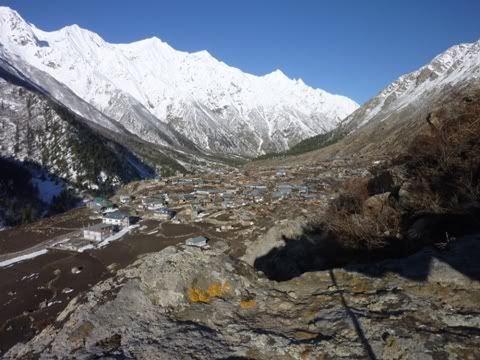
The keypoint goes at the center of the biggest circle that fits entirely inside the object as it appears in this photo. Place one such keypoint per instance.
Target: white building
(124, 199)
(117, 218)
(98, 232)
(154, 203)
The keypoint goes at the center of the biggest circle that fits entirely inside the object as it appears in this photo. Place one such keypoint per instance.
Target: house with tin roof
(117, 218)
(98, 232)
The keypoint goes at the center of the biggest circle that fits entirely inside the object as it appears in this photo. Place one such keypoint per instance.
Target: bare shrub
(365, 229)
(442, 174)
(446, 160)
(351, 199)
(357, 186)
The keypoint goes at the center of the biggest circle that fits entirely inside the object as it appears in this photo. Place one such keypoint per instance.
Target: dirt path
(42, 246)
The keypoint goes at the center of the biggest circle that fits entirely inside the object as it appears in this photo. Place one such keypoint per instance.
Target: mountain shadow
(29, 192)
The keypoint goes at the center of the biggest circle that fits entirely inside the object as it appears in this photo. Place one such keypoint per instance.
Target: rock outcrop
(184, 303)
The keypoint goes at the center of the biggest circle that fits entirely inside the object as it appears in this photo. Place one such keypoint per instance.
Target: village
(230, 205)
(223, 210)
(233, 206)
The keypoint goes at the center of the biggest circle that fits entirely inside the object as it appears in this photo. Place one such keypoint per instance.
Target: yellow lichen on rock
(225, 287)
(246, 304)
(197, 295)
(215, 290)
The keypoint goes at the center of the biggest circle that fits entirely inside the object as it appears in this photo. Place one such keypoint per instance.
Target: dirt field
(25, 236)
(34, 292)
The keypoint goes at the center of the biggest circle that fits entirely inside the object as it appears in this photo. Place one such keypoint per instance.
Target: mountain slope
(147, 84)
(454, 68)
(36, 129)
(20, 200)
(161, 155)
(388, 122)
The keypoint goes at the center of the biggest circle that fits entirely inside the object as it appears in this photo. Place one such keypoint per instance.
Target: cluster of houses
(255, 195)
(258, 193)
(113, 220)
(183, 199)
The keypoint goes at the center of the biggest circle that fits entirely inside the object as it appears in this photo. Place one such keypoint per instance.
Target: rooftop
(163, 211)
(98, 227)
(118, 215)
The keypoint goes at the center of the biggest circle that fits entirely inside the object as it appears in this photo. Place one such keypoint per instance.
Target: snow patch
(117, 235)
(22, 258)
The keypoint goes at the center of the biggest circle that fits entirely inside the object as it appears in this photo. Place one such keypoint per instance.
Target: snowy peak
(220, 108)
(76, 34)
(446, 67)
(458, 65)
(14, 29)
(276, 75)
(11, 18)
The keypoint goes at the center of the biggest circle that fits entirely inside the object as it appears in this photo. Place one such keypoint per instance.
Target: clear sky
(348, 47)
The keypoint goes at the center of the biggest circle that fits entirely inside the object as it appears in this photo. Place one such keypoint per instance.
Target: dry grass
(364, 230)
(353, 195)
(356, 225)
(443, 173)
(446, 160)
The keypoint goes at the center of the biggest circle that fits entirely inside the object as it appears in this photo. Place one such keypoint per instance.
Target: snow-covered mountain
(37, 130)
(452, 70)
(147, 85)
(388, 122)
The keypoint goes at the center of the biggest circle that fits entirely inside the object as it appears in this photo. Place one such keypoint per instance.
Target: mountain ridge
(458, 63)
(387, 121)
(218, 107)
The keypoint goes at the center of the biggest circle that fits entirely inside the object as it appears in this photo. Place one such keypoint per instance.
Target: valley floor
(148, 295)
(35, 289)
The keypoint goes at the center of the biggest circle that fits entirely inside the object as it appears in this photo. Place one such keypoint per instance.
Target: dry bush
(347, 218)
(381, 183)
(368, 230)
(446, 160)
(422, 152)
(351, 200)
(442, 173)
(357, 186)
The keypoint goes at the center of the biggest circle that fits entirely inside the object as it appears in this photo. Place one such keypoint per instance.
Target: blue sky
(349, 47)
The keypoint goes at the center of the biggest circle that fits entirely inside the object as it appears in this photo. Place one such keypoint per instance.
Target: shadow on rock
(428, 239)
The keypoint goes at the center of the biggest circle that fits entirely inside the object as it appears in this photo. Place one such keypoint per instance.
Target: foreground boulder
(185, 303)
